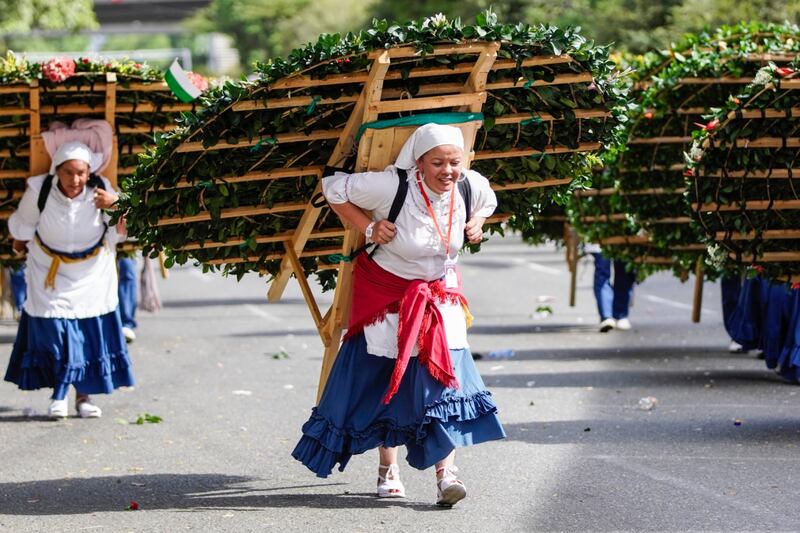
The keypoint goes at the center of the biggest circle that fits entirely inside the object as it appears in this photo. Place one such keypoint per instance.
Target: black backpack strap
(465, 188)
(394, 210)
(44, 192)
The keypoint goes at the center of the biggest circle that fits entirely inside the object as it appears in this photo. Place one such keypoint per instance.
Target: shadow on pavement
(180, 492)
(8, 339)
(630, 352)
(646, 428)
(621, 379)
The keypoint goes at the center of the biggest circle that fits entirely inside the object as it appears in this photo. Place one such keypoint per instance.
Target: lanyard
(446, 242)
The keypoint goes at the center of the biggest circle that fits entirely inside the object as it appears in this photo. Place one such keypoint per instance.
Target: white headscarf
(76, 150)
(426, 138)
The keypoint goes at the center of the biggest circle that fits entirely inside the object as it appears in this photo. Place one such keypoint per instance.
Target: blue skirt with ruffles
(787, 362)
(88, 353)
(746, 324)
(428, 418)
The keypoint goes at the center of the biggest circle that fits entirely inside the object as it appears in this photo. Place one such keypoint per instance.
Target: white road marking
(677, 305)
(263, 314)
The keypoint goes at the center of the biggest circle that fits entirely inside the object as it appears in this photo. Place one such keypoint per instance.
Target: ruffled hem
(323, 445)
(37, 372)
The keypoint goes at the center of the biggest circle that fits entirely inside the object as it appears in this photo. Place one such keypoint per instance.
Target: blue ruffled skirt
(428, 418)
(88, 353)
(746, 325)
(787, 362)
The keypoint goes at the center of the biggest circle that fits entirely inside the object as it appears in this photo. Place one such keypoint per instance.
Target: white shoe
(129, 334)
(607, 325)
(389, 485)
(624, 324)
(449, 490)
(58, 409)
(86, 409)
(735, 347)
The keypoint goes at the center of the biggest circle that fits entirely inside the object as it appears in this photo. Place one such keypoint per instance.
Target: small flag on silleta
(181, 85)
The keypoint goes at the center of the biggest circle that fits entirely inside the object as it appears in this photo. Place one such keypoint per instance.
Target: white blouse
(82, 289)
(417, 250)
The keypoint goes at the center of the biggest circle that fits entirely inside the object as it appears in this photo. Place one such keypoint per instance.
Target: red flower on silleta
(711, 126)
(757, 268)
(648, 115)
(795, 285)
(133, 506)
(58, 69)
(198, 80)
(784, 72)
(688, 172)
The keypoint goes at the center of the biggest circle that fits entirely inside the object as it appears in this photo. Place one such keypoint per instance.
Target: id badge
(450, 275)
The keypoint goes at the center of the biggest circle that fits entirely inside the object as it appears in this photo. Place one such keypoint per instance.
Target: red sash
(377, 292)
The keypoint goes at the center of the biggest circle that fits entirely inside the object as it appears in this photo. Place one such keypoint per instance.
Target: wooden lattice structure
(744, 188)
(642, 205)
(135, 110)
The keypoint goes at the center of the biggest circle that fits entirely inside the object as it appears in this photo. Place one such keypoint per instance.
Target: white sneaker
(449, 490)
(58, 409)
(86, 409)
(735, 347)
(607, 325)
(389, 485)
(129, 334)
(624, 324)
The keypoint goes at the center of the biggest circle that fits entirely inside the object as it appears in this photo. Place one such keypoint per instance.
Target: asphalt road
(234, 378)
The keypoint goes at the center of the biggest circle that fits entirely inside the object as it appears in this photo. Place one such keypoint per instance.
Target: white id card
(450, 276)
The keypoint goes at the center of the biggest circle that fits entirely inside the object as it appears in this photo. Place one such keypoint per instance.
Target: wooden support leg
(698, 291)
(572, 262)
(338, 314)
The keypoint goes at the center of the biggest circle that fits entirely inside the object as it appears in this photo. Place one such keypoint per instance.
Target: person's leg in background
(623, 291)
(603, 292)
(19, 287)
(128, 296)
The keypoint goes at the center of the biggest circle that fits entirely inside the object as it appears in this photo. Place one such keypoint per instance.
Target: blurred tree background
(259, 29)
(264, 28)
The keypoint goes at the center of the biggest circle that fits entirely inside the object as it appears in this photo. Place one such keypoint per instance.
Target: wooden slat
(670, 220)
(516, 118)
(750, 205)
(768, 142)
(769, 257)
(145, 129)
(429, 102)
(637, 192)
(14, 89)
(583, 147)
(561, 79)
(660, 140)
(440, 50)
(715, 81)
(13, 174)
(554, 182)
(299, 82)
(22, 152)
(269, 257)
(264, 239)
(776, 173)
(767, 235)
(794, 113)
(604, 218)
(297, 101)
(498, 218)
(654, 260)
(281, 173)
(625, 239)
(235, 212)
(280, 138)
